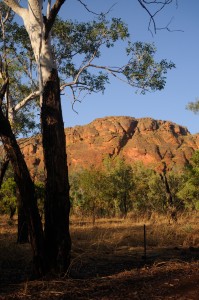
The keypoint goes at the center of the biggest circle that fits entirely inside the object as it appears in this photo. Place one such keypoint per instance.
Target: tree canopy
(77, 47)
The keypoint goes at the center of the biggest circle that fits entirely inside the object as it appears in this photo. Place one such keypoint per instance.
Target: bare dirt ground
(108, 263)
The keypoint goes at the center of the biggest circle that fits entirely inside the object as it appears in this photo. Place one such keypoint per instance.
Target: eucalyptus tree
(15, 64)
(11, 91)
(86, 41)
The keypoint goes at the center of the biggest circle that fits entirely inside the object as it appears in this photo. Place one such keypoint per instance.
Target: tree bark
(22, 234)
(27, 193)
(57, 203)
(169, 198)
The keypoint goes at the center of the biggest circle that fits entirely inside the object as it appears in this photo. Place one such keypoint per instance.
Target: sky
(180, 46)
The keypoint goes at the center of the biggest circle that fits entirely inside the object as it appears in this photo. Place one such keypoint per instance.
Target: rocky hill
(150, 141)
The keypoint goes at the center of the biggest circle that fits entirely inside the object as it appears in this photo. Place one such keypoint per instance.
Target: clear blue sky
(180, 47)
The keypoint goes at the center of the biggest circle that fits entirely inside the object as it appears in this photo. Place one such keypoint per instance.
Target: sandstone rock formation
(151, 141)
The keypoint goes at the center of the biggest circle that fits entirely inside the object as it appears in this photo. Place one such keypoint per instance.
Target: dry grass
(107, 261)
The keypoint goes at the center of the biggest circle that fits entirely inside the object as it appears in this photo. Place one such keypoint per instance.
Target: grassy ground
(108, 261)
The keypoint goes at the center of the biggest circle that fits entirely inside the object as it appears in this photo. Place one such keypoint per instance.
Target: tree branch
(16, 7)
(152, 15)
(23, 102)
(86, 7)
(52, 15)
(3, 90)
(6, 17)
(90, 11)
(79, 73)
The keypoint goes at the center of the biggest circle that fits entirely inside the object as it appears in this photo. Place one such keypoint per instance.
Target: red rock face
(152, 142)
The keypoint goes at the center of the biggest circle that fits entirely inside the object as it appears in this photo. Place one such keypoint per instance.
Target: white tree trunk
(33, 21)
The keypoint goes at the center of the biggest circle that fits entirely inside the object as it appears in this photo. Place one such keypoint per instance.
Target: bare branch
(86, 7)
(91, 11)
(75, 99)
(161, 4)
(169, 29)
(23, 102)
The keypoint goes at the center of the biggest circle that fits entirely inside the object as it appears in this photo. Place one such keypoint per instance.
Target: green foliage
(17, 62)
(87, 192)
(142, 71)
(145, 182)
(193, 106)
(120, 188)
(150, 194)
(75, 43)
(120, 184)
(78, 44)
(190, 191)
(8, 199)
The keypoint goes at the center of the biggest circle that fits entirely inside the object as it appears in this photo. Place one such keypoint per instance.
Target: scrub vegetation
(110, 208)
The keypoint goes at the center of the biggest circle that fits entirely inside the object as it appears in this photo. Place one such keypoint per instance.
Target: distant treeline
(119, 189)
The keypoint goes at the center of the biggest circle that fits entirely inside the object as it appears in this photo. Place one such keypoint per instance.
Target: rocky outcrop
(153, 142)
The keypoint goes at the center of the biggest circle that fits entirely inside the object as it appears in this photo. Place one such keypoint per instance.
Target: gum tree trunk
(57, 204)
(22, 233)
(27, 193)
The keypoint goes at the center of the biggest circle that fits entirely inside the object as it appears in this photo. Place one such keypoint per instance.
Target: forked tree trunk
(27, 193)
(57, 204)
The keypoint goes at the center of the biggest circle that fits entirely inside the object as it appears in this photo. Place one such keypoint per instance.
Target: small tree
(140, 194)
(189, 193)
(120, 184)
(151, 194)
(8, 200)
(90, 199)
